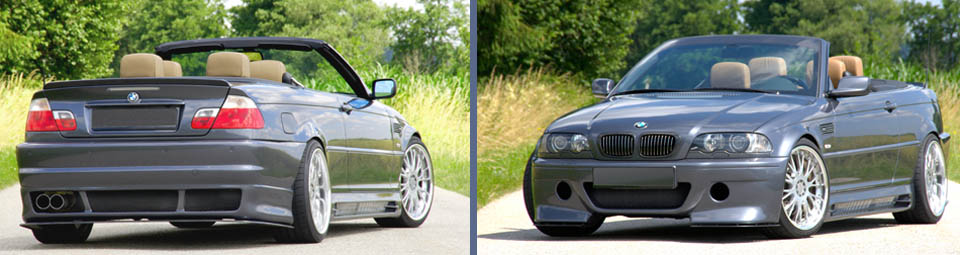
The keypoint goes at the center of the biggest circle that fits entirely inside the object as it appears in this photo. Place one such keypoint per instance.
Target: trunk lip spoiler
(137, 81)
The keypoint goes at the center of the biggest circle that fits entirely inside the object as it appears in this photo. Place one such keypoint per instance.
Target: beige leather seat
(730, 75)
(268, 70)
(141, 65)
(767, 67)
(835, 69)
(853, 64)
(172, 69)
(810, 72)
(228, 64)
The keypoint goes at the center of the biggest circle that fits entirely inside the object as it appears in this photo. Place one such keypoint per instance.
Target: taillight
(41, 118)
(237, 112)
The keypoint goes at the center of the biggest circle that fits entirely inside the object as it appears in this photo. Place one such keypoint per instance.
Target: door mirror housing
(601, 87)
(384, 88)
(851, 86)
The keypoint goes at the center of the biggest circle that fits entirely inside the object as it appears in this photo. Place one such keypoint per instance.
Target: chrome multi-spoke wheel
(312, 199)
(319, 194)
(416, 187)
(416, 182)
(805, 190)
(935, 178)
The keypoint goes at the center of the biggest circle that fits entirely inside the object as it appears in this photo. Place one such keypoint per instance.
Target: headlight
(730, 145)
(564, 145)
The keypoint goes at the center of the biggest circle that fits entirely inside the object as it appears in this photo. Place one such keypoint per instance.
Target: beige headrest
(810, 72)
(228, 64)
(835, 69)
(730, 75)
(268, 70)
(853, 64)
(141, 65)
(171, 69)
(766, 67)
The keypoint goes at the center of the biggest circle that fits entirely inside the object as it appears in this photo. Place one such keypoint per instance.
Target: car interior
(752, 75)
(219, 64)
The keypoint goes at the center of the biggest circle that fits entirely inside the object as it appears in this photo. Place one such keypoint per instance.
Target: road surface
(446, 231)
(504, 228)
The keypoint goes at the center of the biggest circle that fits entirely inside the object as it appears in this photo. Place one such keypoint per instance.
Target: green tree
(245, 19)
(660, 21)
(587, 37)
(354, 28)
(152, 23)
(429, 40)
(67, 39)
(860, 27)
(933, 38)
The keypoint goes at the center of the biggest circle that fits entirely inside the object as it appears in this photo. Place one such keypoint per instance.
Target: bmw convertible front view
(760, 131)
(222, 130)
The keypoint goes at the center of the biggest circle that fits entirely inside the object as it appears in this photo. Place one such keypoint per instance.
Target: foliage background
(423, 48)
(536, 58)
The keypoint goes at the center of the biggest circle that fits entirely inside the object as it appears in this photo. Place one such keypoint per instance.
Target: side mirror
(384, 88)
(851, 86)
(601, 87)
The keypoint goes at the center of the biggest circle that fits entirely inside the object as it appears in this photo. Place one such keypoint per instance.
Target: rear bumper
(755, 187)
(261, 172)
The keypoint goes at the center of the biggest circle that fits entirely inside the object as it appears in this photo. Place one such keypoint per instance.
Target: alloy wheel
(805, 191)
(416, 182)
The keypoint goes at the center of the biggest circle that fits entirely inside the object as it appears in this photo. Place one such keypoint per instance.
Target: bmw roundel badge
(133, 97)
(640, 125)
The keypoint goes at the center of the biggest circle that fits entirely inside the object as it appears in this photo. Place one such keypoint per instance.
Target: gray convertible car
(742, 131)
(222, 130)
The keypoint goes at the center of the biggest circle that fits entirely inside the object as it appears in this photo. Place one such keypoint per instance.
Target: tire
(421, 175)
(60, 234)
(924, 210)
(311, 194)
(192, 224)
(818, 199)
(592, 224)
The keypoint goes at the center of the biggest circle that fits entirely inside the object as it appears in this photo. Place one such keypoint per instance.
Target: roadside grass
(437, 105)
(513, 112)
(15, 93)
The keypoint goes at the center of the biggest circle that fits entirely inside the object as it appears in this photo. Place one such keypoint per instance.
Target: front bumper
(755, 187)
(161, 180)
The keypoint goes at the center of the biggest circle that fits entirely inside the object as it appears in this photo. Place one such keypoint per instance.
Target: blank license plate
(652, 178)
(136, 118)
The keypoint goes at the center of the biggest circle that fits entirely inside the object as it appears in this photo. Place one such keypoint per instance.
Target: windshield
(773, 68)
(307, 67)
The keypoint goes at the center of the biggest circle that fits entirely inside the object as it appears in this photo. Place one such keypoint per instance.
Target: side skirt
(857, 203)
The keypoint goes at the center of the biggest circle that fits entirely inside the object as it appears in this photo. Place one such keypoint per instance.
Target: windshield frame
(820, 47)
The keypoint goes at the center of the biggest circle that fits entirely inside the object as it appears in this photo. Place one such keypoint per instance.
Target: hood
(680, 113)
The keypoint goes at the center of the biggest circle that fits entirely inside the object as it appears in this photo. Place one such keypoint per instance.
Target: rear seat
(141, 65)
(268, 70)
(767, 67)
(228, 64)
(171, 69)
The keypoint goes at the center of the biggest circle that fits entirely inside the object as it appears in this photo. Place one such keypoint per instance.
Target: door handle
(889, 106)
(346, 108)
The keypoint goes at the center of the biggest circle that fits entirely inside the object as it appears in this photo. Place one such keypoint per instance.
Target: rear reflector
(237, 112)
(42, 119)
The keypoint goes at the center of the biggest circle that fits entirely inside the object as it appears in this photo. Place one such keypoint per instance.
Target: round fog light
(563, 191)
(719, 192)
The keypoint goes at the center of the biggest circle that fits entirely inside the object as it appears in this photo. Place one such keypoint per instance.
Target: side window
(310, 69)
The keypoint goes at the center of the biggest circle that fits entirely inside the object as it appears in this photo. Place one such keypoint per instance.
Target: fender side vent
(826, 128)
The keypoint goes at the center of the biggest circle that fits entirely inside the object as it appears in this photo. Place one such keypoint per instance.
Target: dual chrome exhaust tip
(54, 201)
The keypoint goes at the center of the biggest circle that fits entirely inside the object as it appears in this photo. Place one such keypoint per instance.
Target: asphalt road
(446, 231)
(504, 228)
